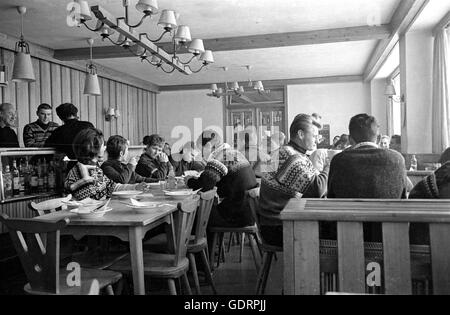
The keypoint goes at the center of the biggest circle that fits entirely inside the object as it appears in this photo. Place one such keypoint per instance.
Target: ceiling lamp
(391, 93)
(23, 69)
(91, 85)
(145, 46)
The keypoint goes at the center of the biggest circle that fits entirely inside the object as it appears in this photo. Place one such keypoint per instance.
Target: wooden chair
(41, 263)
(269, 251)
(170, 266)
(93, 258)
(198, 243)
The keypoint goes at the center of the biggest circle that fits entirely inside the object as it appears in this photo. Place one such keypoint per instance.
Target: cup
(163, 184)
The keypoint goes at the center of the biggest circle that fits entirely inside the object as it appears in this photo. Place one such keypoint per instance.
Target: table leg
(137, 260)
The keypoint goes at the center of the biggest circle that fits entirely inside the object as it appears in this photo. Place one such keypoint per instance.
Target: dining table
(126, 224)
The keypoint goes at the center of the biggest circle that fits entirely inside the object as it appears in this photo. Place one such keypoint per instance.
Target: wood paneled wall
(56, 84)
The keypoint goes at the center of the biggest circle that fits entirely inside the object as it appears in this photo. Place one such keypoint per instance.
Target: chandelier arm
(116, 43)
(139, 23)
(188, 62)
(162, 68)
(155, 40)
(159, 64)
(137, 55)
(94, 29)
(197, 71)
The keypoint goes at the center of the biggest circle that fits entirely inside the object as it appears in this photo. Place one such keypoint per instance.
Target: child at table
(117, 167)
(86, 178)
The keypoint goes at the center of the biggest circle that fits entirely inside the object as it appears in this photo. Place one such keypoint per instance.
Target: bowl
(127, 194)
(89, 213)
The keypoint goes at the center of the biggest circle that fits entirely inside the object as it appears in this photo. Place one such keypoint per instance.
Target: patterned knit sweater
(35, 136)
(291, 173)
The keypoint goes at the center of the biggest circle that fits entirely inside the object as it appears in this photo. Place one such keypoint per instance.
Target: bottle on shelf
(34, 181)
(7, 182)
(413, 163)
(171, 180)
(40, 177)
(27, 175)
(21, 177)
(51, 177)
(16, 179)
(45, 175)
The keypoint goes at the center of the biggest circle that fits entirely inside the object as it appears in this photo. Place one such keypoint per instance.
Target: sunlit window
(396, 122)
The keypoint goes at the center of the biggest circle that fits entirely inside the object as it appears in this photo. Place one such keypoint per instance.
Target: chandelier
(236, 89)
(141, 45)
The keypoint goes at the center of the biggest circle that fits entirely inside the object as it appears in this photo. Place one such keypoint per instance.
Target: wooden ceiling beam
(358, 33)
(402, 20)
(270, 83)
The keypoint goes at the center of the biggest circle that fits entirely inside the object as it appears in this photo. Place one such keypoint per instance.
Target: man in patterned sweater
(290, 175)
(36, 133)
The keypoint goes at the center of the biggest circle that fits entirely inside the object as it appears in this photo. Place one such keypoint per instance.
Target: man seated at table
(154, 163)
(367, 171)
(36, 133)
(8, 137)
(119, 168)
(291, 174)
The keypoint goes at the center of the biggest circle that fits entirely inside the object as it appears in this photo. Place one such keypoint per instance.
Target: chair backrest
(203, 212)
(40, 262)
(183, 222)
(49, 206)
(252, 197)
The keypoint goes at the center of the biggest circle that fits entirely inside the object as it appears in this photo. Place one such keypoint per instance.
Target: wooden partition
(313, 266)
(56, 84)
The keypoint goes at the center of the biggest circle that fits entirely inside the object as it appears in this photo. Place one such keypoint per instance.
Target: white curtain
(441, 89)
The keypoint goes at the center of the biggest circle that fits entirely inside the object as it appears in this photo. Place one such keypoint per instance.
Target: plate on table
(154, 185)
(88, 202)
(144, 196)
(91, 212)
(127, 194)
(142, 207)
(179, 194)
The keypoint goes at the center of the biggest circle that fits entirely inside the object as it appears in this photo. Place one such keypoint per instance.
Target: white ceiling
(45, 24)
(431, 15)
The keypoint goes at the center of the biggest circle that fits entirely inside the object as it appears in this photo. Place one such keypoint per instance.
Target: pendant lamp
(23, 69)
(91, 85)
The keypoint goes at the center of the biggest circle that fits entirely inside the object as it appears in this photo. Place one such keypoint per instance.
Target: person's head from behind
(89, 145)
(66, 112)
(146, 140)
(385, 142)
(396, 143)
(44, 113)
(363, 128)
(155, 146)
(304, 132)
(8, 115)
(117, 148)
(336, 139)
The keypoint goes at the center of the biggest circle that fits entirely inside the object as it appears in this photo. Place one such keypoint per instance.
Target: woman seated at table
(186, 160)
(230, 171)
(119, 168)
(154, 163)
(86, 179)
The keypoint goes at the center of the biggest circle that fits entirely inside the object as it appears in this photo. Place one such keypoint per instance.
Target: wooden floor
(231, 278)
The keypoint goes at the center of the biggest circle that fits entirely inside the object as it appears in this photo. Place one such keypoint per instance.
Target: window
(396, 108)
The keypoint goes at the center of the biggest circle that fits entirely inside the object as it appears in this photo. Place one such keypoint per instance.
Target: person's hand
(133, 161)
(141, 187)
(163, 158)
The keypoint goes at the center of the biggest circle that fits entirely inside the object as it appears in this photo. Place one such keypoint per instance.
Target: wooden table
(124, 223)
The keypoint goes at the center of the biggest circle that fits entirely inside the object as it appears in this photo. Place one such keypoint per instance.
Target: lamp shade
(214, 87)
(183, 34)
(390, 90)
(111, 112)
(235, 86)
(147, 6)
(91, 85)
(167, 20)
(23, 69)
(3, 76)
(241, 89)
(196, 47)
(258, 86)
(207, 57)
(117, 113)
(85, 12)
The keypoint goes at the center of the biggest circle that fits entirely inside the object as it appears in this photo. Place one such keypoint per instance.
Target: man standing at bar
(62, 138)
(36, 133)
(8, 137)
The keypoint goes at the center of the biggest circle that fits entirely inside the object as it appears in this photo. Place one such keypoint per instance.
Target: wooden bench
(313, 266)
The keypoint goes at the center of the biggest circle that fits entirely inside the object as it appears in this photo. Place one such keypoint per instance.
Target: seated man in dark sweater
(291, 174)
(366, 171)
(115, 169)
(154, 163)
(8, 137)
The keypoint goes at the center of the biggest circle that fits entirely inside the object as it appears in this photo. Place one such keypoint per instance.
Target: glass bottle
(171, 180)
(21, 177)
(34, 182)
(27, 176)
(40, 177)
(16, 179)
(51, 177)
(7, 182)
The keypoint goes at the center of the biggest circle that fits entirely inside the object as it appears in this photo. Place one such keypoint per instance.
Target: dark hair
(363, 128)
(155, 140)
(66, 110)
(445, 157)
(344, 140)
(44, 106)
(146, 140)
(302, 122)
(115, 145)
(87, 144)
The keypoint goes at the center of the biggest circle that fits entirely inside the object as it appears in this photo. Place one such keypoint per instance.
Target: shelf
(30, 197)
